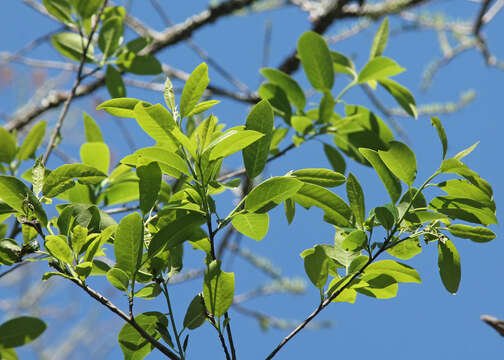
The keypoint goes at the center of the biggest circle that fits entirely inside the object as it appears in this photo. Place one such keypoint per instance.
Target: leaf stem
(172, 318)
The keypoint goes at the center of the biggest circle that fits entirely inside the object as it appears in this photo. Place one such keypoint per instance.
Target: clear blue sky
(423, 321)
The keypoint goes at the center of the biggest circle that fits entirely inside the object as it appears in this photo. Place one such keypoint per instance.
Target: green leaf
(466, 152)
(96, 155)
(91, 129)
(441, 132)
(290, 210)
(358, 263)
(78, 238)
(31, 142)
(392, 184)
(356, 240)
(252, 225)
(316, 266)
(402, 95)
(58, 247)
(118, 278)
(336, 211)
(259, 119)
(230, 142)
(10, 252)
(278, 100)
(380, 286)
(316, 60)
(156, 121)
(20, 331)
(148, 292)
(84, 269)
(385, 217)
(454, 166)
(61, 9)
(218, 289)
(149, 185)
(401, 161)
(70, 45)
(8, 354)
(464, 209)
(342, 64)
(139, 64)
(322, 177)
(270, 193)
(87, 8)
(400, 272)
(169, 162)
(203, 106)
(128, 243)
(335, 159)
(291, 88)
(114, 82)
(193, 89)
(355, 197)
(380, 40)
(406, 249)
(175, 232)
(121, 107)
(301, 124)
(169, 94)
(8, 148)
(449, 265)
(134, 346)
(341, 255)
(17, 195)
(379, 68)
(61, 179)
(204, 132)
(195, 315)
(464, 189)
(110, 35)
(477, 234)
(326, 108)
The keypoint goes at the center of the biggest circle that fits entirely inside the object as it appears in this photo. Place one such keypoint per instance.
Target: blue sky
(423, 321)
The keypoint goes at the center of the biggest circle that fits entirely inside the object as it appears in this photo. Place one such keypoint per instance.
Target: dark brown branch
(478, 24)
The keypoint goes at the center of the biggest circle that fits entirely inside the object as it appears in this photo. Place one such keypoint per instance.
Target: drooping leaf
(379, 68)
(114, 82)
(259, 119)
(316, 266)
(58, 247)
(392, 184)
(193, 89)
(195, 314)
(70, 44)
(316, 60)
(449, 265)
(355, 197)
(128, 243)
(380, 39)
(20, 331)
(401, 161)
(441, 132)
(271, 192)
(61, 179)
(252, 225)
(290, 210)
(218, 289)
(402, 95)
(149, 185)
(475, 233)
(322, 177)
(291, 88)
(31, 142)
(96, 155)
(335, 159)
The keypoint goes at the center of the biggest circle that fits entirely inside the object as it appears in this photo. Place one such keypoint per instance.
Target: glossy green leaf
(31, 142)
(110, 35)
(356, 240)
(316, 266)
(156, 121)
(148, 292)
(218, 289)
(87, 8)
(193, 89)
(475, 233)
(322, 177)
(195, 314)
(380, 286)
(121, 107)
(449, 265)
(342, 64)
(301, 124)
(253, 225)
(454, 166)
(96, 155)
(134, 346)
(19, 197)
(70, 44)
(139, 64)
(91, 129)
(232, 141)
(355, 197)
(316, 60)
(291, 88)
(400, 272)
(466, 152)
(118, 278)
(336, 211)
(61, 9)
(20, 331)
(402, 95)
(8, 148)
(271, 192)
(61, 179)
(380, 39)
(379, 68)
(149, 185)
(465, 189)
(401, 161)
(259, 119)
(128, 243)
(202, 107)
(169, 162)
(406, 249)
(114, 82)
(335, 159)
(278, 100)
(464, 209)
(58, 247)
(392, 184)
(441, 132)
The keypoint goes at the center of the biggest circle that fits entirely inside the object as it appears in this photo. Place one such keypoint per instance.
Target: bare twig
(478, 24)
